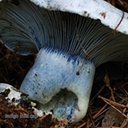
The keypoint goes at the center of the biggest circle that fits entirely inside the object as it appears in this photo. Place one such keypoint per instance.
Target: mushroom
(70, 38)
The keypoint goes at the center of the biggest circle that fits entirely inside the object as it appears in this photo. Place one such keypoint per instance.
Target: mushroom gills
(66, 43)
(26, 28)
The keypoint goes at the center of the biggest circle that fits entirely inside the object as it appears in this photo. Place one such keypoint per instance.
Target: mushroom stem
(54, 71)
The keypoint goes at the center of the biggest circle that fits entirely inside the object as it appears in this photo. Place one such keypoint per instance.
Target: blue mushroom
(68, 46)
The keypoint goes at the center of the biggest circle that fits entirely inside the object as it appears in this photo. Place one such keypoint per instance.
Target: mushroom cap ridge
(26, 28)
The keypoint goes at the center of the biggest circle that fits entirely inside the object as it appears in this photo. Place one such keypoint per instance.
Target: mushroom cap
(95, 9)
(26, 28)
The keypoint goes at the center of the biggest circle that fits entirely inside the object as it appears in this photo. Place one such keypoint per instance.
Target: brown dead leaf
(112, 118)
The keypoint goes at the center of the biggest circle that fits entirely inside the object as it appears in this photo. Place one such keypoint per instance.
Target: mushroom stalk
(55, 72)
(68, 48)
